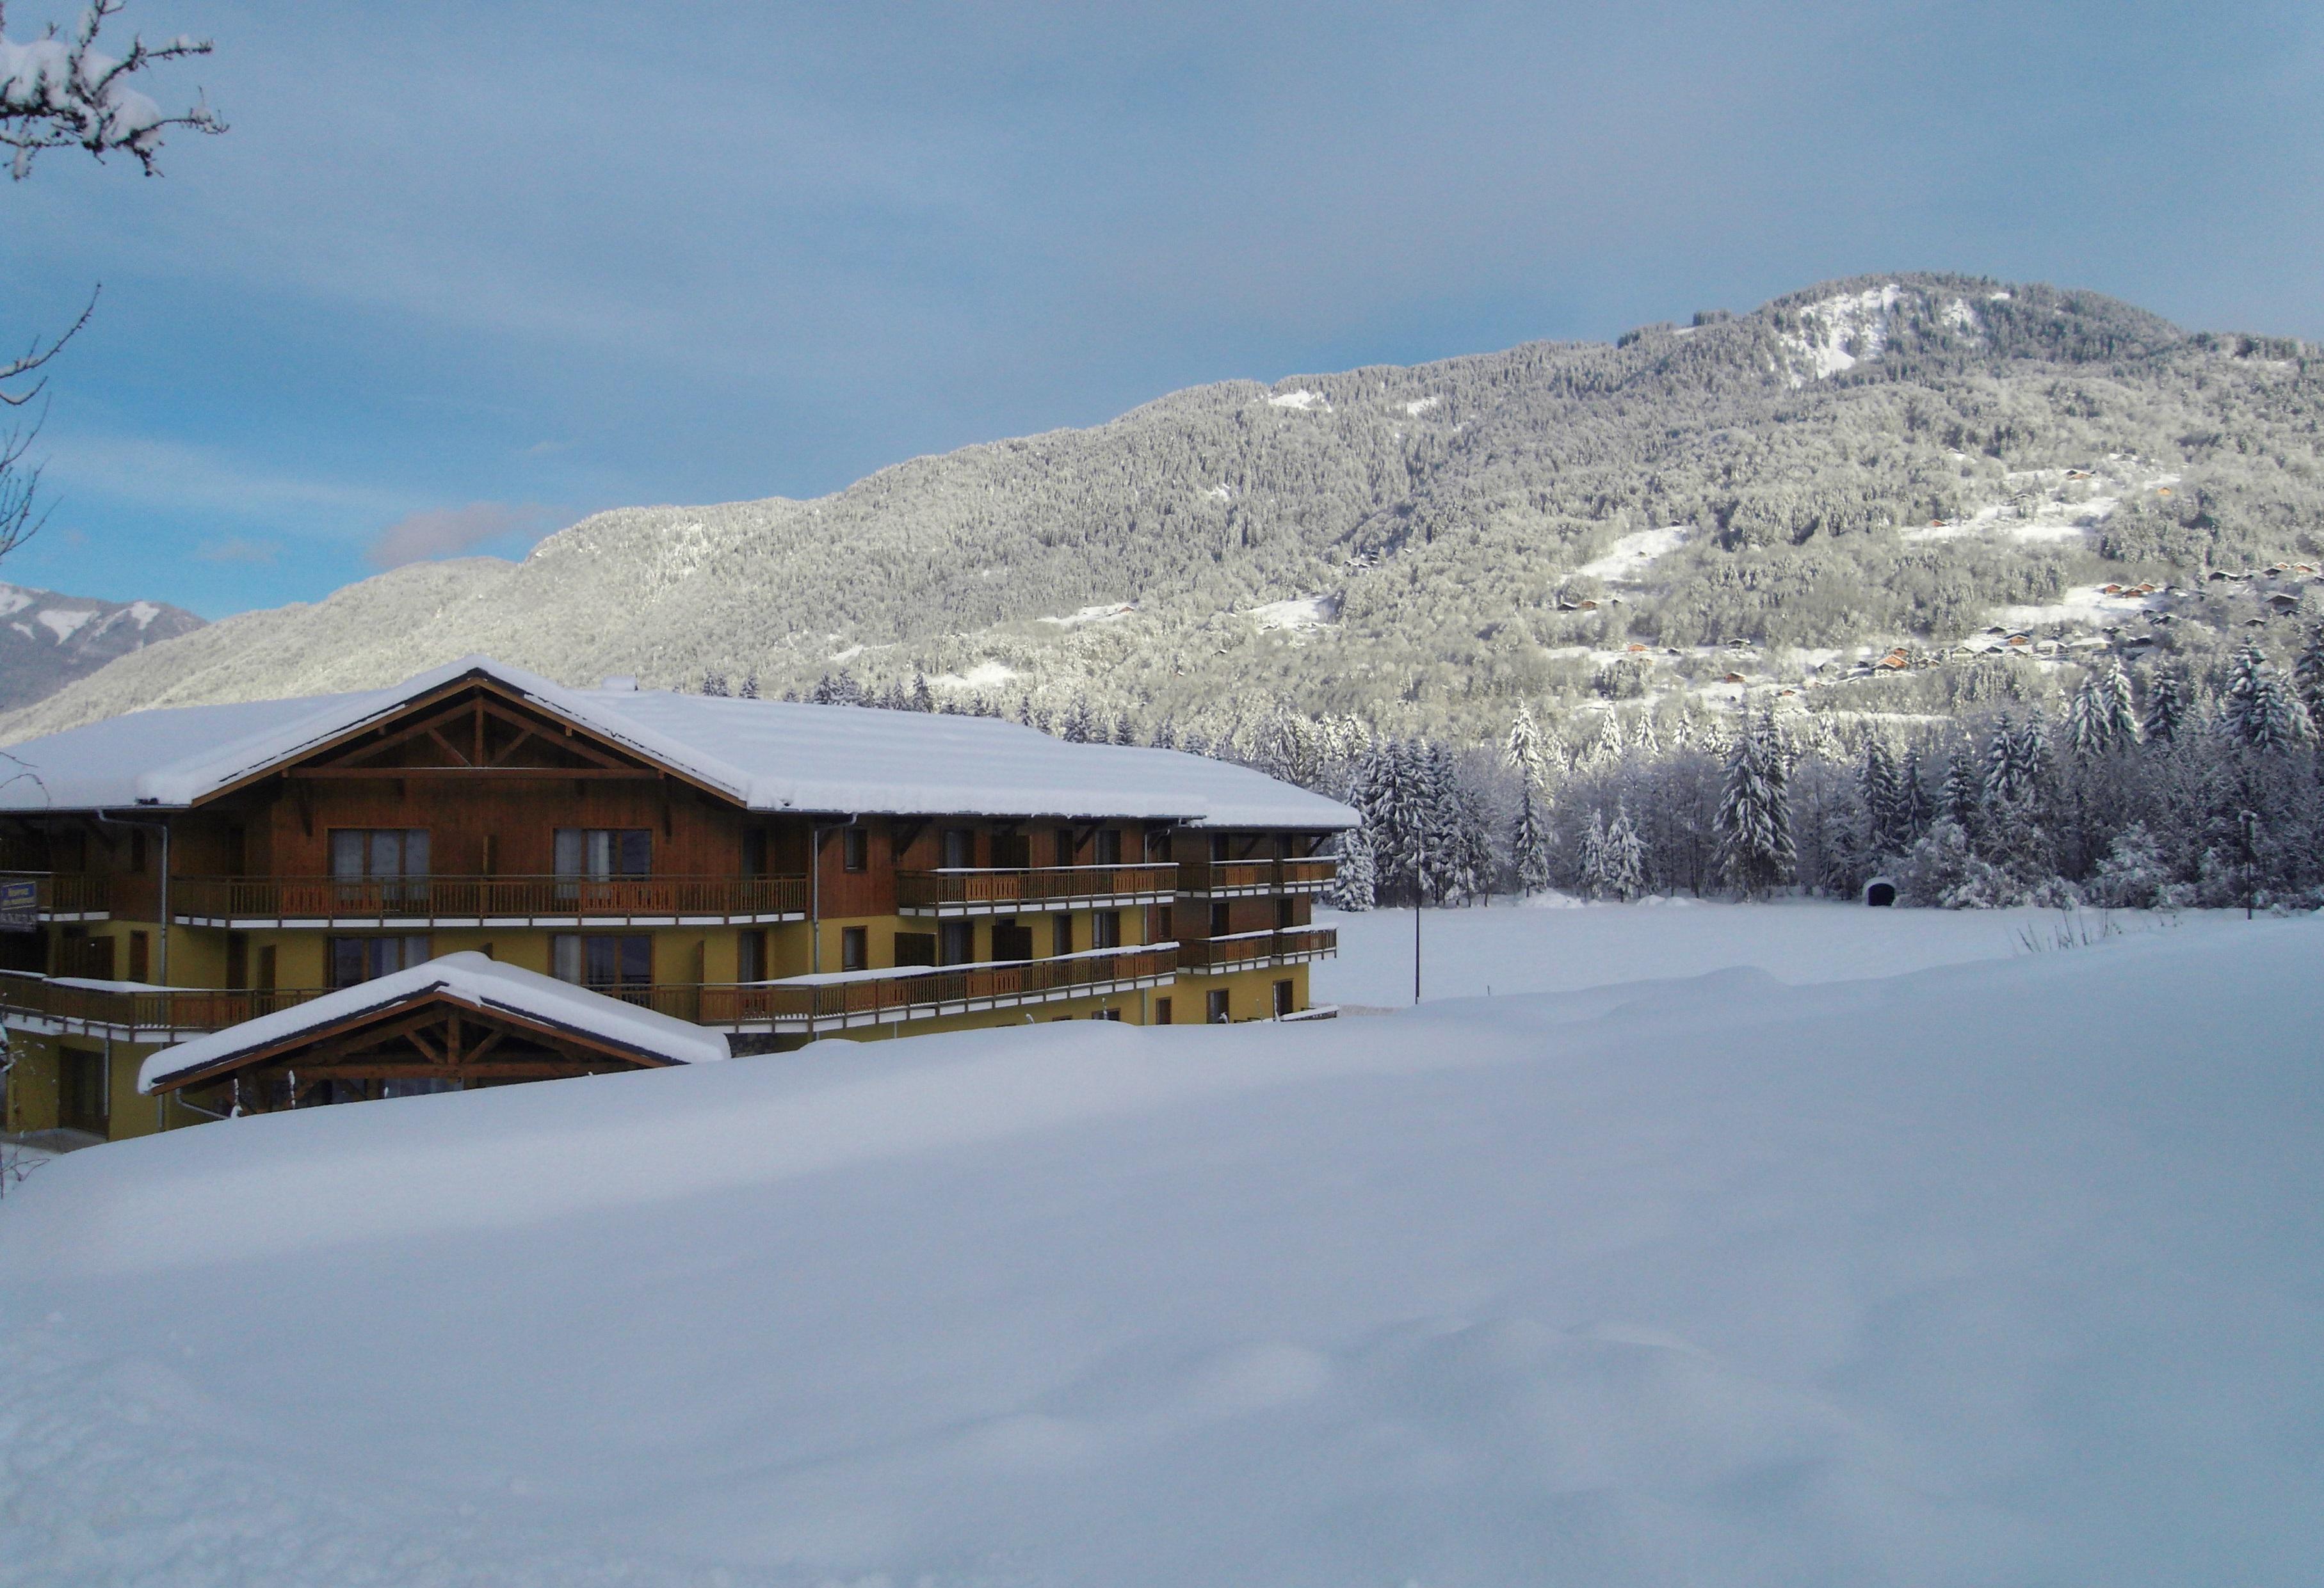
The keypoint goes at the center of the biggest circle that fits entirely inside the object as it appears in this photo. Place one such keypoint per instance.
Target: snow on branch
(60, 93)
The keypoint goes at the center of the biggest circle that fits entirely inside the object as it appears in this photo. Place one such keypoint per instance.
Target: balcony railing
(133, 1013)
(484, 901)
(1237, 879)
(921, 993)
(978, 890)
(69, 896)
(1246, 950)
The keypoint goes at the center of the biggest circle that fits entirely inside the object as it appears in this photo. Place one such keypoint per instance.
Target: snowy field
(2000, 1272)
(1551, 944)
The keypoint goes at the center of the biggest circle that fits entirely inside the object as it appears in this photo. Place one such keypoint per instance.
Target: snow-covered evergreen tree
(1532, 844)
(1754, 825)
(1590, 879)
(713, 683)
(924, 698)
(2308, 678)
(1351, 886)
(2166, 708)
(750, 690)
(1524, 752)
(1166, 734)
(2259, 711)
(1623, 864)
(1964, 789)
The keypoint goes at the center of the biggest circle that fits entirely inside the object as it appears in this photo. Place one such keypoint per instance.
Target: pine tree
(1531, 844)
(1351, 887)
(2308, 678)
(2089, 721)
(1754, 823)
(1522, 750)
(1964, 789)
(2122, 709)
(1624, 866)
(2259, 709)
(1913, 792)
(1024, 710)
(2166, 708)
(924, 698)
(1592, 878)
(1124, 731)
(1887, 824)
(1644, 738)
(750, 690)
(714, 683)
(1166, 734)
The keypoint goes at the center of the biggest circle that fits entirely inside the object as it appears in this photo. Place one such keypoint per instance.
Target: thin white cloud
(235, 548)
(445, 532)
(180, 476)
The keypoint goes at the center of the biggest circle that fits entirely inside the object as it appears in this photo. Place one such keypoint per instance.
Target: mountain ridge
(1443, 513)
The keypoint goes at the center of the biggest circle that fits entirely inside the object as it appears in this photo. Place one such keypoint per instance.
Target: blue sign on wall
(20, 904)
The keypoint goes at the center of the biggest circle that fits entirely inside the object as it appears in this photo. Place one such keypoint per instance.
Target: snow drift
(2001, 1272)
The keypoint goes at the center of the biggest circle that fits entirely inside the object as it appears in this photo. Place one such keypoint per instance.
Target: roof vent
(618, 683)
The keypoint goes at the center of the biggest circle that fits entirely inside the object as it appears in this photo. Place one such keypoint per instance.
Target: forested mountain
(51, 639)
(1884, 461)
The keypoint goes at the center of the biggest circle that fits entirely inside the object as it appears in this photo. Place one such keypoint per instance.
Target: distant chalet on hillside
(480, 876)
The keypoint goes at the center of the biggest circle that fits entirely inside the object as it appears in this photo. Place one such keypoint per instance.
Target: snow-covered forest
(1889, 461)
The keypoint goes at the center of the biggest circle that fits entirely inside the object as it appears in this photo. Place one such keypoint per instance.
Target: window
(359, 854)
(1218, 1010)
(1163, 930)
(916, 948)
(1065, 846)
(751, 956)
(1108, 846)
(1061, 928)
(1282, 1004)
(1157, 843)
(356, 959)
(959, 848)
(855, 849)
(1108, 1014)
(237, 959)
(1161, 1010)
(141, 956)
(601, 960)
(1105, 929)
(854, 948)
(266, 968)
(754, 852)
(599, 854)
(1221, 920)
(957, 943)
(1218, 847)
(1283, 913)
(1011, 940)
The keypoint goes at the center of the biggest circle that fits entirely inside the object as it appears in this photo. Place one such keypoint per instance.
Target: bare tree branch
(36, 355)
(57, 93)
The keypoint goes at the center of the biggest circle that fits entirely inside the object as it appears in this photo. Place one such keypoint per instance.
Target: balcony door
(600, 855)
(386, 863)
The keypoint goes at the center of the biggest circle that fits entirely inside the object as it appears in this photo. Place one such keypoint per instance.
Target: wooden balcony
(68, 896)
(964, 891)
(325, 902)
(1248, 950)
(1227, 879)
(129, 1012)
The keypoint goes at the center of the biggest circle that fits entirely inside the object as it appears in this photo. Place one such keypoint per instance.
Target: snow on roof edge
(473, 978)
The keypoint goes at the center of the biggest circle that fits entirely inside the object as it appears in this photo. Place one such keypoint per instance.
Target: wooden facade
(471, 818)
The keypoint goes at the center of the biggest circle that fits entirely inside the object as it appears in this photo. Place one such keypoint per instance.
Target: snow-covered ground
(1632, 554)
(1553, 945)
(2006, 1271)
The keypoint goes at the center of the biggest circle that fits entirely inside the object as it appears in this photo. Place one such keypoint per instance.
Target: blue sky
(461, 274)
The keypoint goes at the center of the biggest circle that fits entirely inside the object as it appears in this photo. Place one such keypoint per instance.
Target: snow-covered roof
(765, 754)
(483, 984)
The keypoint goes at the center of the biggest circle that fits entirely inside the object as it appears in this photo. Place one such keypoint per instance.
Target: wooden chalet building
(759, 871)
